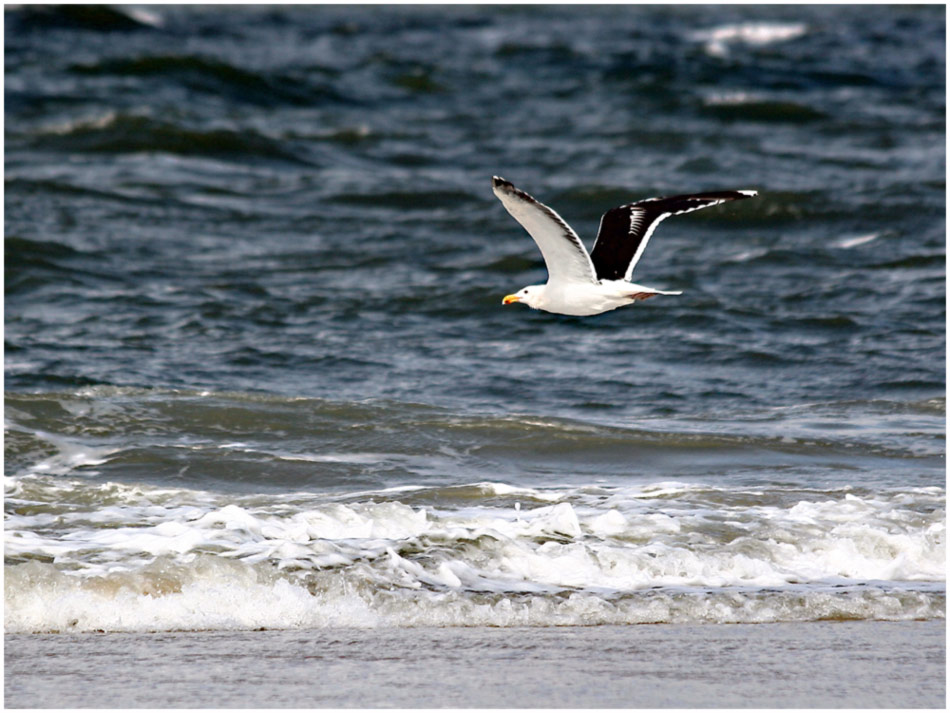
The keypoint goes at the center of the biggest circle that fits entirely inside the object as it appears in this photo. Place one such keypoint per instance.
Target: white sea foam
(166, 559)
(733, 98)
(144, 16)
(69, 456)
(212, 593)
(756, 34)
(854, 242)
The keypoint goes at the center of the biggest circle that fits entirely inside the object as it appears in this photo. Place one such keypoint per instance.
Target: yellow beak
(508, 299)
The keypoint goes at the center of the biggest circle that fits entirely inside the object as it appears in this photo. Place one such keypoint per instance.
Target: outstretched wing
(625, 231)
(564, 253)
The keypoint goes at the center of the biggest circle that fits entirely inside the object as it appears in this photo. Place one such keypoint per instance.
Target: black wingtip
(498, 182)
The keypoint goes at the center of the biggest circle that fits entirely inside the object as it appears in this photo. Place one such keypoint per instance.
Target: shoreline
(852, 664)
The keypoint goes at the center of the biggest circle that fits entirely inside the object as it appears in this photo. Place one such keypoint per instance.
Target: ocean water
(258, 373)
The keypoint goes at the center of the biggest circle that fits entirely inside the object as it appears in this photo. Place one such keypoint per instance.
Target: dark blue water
(253, 261)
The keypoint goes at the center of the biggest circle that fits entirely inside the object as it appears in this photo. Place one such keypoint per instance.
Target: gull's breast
(583, 299)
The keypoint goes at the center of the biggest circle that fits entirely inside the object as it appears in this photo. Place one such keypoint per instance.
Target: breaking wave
(486, 553)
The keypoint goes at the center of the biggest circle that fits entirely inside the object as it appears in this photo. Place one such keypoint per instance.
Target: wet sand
(821, 664)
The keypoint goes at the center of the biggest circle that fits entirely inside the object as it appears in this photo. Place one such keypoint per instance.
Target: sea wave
(95, 18)
(219, 78)
(245, 440)
(717, 40)
(895, 535)
(125, 132)
(216, 594)
(132, 557)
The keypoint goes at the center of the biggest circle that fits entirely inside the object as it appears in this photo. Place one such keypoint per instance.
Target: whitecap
(756, 34)
(846, 243)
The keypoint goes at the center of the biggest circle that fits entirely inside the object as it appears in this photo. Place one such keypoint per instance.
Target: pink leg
(642, 295)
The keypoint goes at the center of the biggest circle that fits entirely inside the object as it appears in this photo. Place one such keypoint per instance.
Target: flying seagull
(585, 284)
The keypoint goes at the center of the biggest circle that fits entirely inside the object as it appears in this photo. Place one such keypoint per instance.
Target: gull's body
(581, 283)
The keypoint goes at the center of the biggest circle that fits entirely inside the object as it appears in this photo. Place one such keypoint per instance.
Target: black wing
(625, 231)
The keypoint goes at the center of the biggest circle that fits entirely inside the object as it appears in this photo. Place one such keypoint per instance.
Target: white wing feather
(564, 254)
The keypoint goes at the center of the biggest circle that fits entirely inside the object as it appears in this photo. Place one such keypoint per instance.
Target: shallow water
(810, 665)
(258, 373)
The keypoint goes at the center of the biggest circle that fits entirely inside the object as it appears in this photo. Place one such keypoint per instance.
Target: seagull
(584, 284)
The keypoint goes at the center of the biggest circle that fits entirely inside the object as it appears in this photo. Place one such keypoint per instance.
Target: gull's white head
(531, 296)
